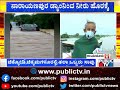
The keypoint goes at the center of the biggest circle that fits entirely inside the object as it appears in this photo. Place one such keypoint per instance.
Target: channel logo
(105, 63)
(63, 86)
(5, 86)
(63, 78)
(5, 77)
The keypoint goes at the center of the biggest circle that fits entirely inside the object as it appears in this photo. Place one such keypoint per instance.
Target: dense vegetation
(45, 21)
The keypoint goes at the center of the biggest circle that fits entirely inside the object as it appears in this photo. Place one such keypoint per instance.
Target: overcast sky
(73, 23)
(22, 13)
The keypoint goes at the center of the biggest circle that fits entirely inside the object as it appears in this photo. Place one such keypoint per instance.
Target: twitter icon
(63, 86)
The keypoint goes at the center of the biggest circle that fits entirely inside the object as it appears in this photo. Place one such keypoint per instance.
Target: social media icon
(5, 77)
(5, 86)
(63, 78)
(63, 86)
(33, 71)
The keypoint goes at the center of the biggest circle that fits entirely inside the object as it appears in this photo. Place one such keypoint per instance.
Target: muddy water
(31, 44)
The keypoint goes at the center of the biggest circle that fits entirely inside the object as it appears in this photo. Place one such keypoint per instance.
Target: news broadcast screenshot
(59, 44)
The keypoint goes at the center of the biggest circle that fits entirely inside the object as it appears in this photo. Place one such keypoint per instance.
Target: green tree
(11, 17)
(77, 35)
(65, 35)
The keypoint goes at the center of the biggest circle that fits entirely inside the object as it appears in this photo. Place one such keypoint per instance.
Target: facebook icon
(5, 77)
